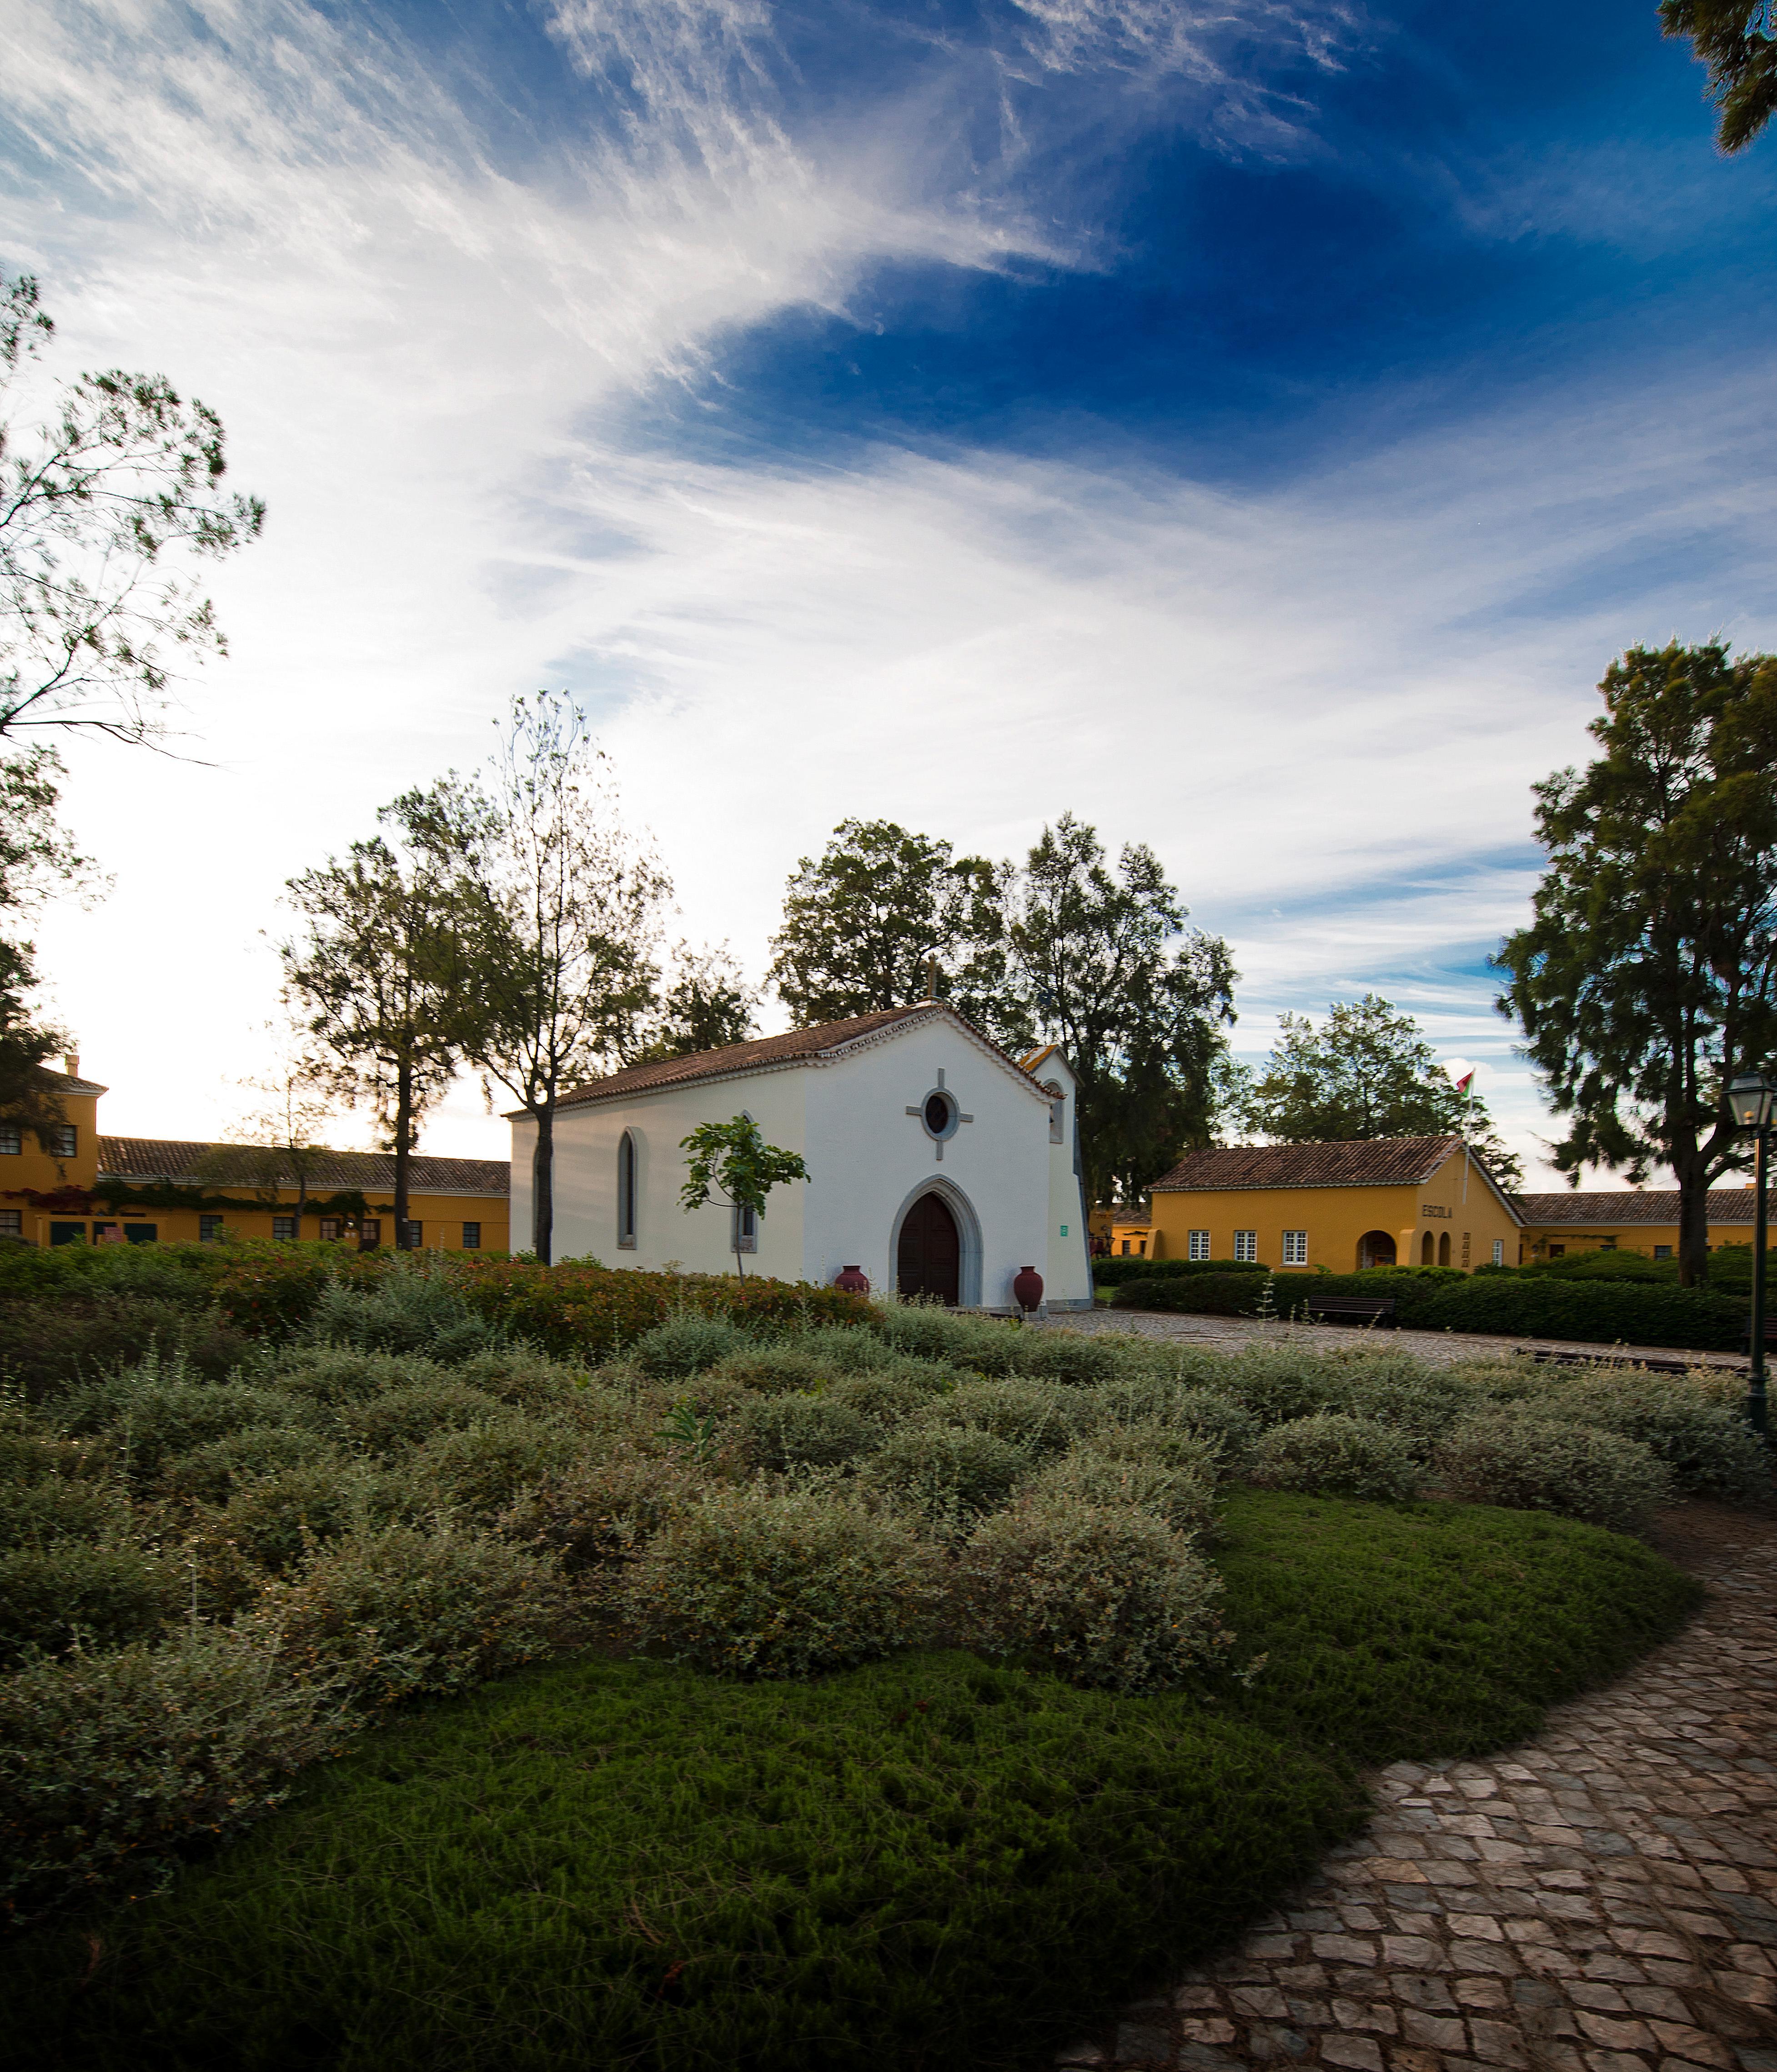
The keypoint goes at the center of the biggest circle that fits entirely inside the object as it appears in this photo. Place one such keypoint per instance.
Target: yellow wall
(1559, 1240)
(1132, 1240)
(1337, 1219)
(441, 1217)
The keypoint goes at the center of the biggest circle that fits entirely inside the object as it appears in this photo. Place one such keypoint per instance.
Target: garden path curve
(1602, 1899)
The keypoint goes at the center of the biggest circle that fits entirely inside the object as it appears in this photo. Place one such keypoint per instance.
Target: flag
(1467, 1079)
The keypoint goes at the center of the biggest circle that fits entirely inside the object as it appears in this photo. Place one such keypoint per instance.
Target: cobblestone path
(1602, 1899)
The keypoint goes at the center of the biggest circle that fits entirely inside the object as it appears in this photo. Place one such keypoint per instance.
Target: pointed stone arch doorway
(936, 1247)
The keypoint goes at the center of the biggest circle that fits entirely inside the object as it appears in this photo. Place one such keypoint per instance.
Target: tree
(1366, 1072)
(565, 903)
(860, 925)
(732, 1161)
(98, 506)
(380, 978)
(278, 1140)
(37, 859)
(708, 1005)
(1139, 1019)
(1647, 976)
(1736, 40)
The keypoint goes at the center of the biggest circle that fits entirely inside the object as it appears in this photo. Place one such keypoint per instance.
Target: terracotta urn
(1027, 1287)
(852, 1279)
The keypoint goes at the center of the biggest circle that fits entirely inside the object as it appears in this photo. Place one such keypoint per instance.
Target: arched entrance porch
(1375, 1248)
(936, 1247)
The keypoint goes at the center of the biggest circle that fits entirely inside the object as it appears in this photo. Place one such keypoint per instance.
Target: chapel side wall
(587, 1140)
(869, 1158)
(1067, 1266)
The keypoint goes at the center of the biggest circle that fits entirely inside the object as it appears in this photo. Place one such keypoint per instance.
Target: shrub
(398, 1613)
(389, 1424)
(773, 1370)
(686, 1345)
(1602, 1311)
(889, 1395)
(950, 1476)
(414, 1307)
(520, 1374)
(209, 1473)
(1330, 1455)
(60, 1507)
(1037, 1419)
(788, 1585)
(1114, 1272)
(335, 1375)
(277, 1519)
(1278, 1382)
(597, 1516)
(1530, 1463)
(1400, 1390)
(1213, 1294)
(1153, 1443)
(1108, 1597)
(155, 1412)
(66, 1592)
(1709, 1449)
(1069, 1357)
(849, 1349)
(481, 1468)
(1089, 1479)
(930, 1333)
(778, 1432)
(50, 1347)
(110, 1762)
(1168, 1416)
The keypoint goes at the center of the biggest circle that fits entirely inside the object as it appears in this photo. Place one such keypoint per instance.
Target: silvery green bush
(949, 1476)
(1709, 1447)
(1108, 1596)
(1183, 1496)
(1527, 1461)
(595, 1515)
(1330, 1455)
(751, 1583)
(776, 1433)
(1042, 1418)
(685, 1345)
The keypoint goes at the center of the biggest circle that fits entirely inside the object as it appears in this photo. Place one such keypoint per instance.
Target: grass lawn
(928, 1864)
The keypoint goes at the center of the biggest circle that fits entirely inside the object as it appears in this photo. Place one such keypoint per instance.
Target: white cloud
(1328, 700)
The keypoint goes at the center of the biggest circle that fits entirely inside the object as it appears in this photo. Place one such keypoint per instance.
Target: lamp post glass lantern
(1752, 1097)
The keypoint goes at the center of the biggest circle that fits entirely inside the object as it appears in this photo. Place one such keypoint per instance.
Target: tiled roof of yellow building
(140, 1158)
(1380, 1161)
(1627, 1205)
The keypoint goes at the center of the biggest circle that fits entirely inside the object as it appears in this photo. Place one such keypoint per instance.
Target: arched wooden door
(929, 1259)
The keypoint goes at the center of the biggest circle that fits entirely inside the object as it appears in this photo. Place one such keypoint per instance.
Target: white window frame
(1197, 1245)
(64, 1140)
(285, 1235)
(12, 1141)
(1295, 1247)
(1246, 1247)
(1499, 1252)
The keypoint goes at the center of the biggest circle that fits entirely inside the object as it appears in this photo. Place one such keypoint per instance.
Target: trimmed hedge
(1114, 1272)
(1600, 1312)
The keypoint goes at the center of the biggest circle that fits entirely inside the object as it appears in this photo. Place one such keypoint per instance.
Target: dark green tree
(380, 975)
(732, 1162)
(1107, 969)
(37, 861)
(1366, 1072)
(1741, 62)
(862, 924)
(100, 509)
(1647, 976)
(705, 1005)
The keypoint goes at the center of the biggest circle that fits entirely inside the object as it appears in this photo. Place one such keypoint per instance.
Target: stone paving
(1439, 1347)
(1602, 1899)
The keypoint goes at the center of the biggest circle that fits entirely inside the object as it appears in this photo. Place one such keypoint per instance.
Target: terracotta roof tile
(1637, 1205)
(140, 1158)
(794, 1046)
(1382, 1161)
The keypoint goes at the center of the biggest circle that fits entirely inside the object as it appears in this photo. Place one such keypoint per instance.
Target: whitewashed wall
(869, 1159)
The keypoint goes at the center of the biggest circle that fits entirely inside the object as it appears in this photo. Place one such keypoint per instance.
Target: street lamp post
(1751, 1097)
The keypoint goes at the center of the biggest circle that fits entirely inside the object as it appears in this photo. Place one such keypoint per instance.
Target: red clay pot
(1027, 1287)
(853, 1280)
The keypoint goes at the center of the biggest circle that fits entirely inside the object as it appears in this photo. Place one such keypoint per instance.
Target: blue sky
(1253, 427)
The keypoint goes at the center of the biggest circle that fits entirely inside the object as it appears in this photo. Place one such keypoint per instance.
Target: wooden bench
(1374, 1309)
(1605, 1356)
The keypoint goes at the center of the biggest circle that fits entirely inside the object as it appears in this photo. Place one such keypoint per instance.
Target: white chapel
(938, 1164)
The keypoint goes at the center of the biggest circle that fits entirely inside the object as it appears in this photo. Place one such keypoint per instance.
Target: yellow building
(1405, 1201)
(1643, 1220)
(79, 1187)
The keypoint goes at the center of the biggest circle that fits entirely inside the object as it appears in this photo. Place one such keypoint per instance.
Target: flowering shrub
(1330, 1455)
(1108, 1596)
(756, 1584)
(1529, 1461)
(108, 1762)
